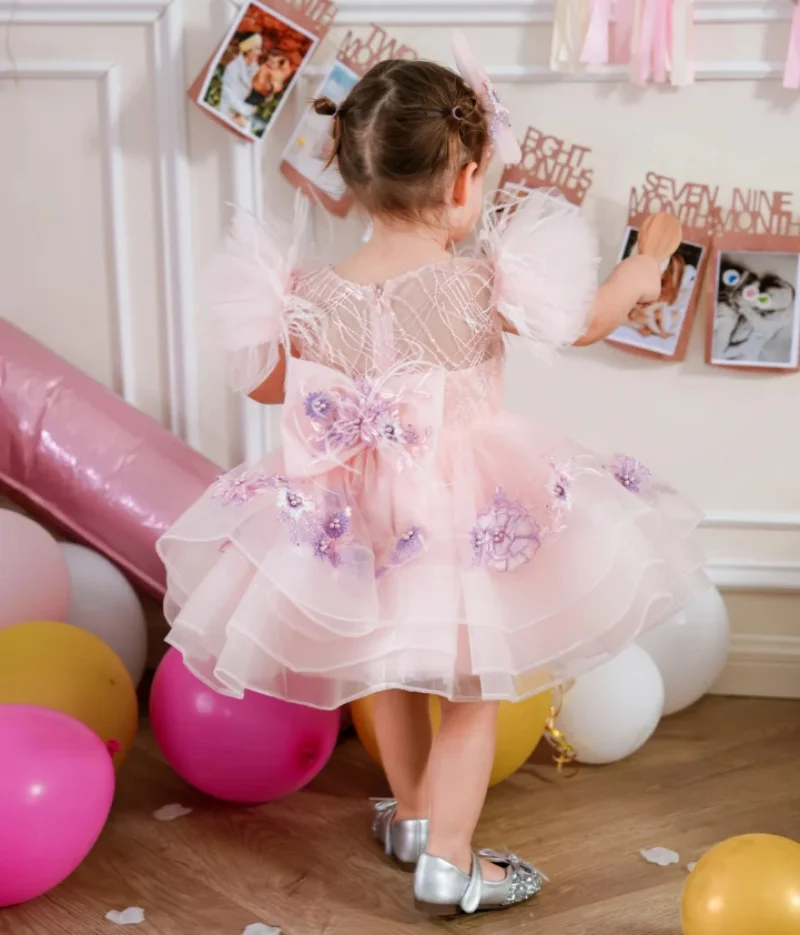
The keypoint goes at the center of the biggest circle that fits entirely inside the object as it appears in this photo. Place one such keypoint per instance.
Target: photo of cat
(659, 326)
(757, 310)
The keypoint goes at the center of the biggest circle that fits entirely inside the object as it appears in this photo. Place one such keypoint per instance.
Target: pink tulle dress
(411, 533)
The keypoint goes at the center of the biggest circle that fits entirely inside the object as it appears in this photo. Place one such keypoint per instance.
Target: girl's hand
(645, 273)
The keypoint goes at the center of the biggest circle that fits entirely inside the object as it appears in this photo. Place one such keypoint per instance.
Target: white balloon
(613, 710)
(103, 602)
(690, 649)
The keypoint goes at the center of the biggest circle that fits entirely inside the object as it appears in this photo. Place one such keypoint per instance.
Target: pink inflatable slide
(87, 462)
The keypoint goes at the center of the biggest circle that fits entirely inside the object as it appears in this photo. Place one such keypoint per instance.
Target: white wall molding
(525, 12)
(107, 77)
(743, 575)
(95, 12)
(766, 666)
(164, 17)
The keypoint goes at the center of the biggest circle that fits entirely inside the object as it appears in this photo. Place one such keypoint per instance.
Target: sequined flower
(630, 473)
(292, 503)
(505, 535)
(325, 548)
(560, 488)
(241, 487)
(337, 524)
(319, 406)
(500, 115)
(408, 546)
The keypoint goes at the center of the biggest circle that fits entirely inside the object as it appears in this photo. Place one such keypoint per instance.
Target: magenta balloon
(56, 787)
(106, 473)
(250, 750)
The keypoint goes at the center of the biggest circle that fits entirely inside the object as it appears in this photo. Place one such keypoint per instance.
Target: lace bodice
(533, 266)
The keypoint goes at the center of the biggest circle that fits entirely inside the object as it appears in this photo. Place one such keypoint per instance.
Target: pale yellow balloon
(748, 885)
(64, 668)
(519, 729)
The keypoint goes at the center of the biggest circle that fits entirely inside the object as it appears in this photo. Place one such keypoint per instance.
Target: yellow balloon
(748, 885)
(58, 666)
(519, 729)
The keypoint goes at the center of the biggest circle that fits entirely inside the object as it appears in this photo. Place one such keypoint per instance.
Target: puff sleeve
(248, 296)
(544, 262)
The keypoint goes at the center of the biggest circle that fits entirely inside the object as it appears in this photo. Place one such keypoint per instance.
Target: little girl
(412, 537)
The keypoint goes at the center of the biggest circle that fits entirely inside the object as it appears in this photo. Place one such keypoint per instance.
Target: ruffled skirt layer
(514, 562)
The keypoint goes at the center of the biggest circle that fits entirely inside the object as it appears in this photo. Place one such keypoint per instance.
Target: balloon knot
(113, 747)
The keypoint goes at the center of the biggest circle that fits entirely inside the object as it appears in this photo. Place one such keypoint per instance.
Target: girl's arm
(635, 280)
(272, 392)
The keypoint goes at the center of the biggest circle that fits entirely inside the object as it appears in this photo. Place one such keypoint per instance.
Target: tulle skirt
(512, 562)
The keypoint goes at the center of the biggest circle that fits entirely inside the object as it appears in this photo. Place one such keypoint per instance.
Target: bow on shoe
(384, 812)
(330, 418)
(524, 870)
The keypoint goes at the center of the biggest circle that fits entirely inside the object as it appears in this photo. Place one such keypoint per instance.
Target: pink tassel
(623, 27)
(791, 74)
(662, 40)
(595, 44)
(643, 42)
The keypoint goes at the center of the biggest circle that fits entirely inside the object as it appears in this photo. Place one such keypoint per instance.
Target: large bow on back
(330, 418)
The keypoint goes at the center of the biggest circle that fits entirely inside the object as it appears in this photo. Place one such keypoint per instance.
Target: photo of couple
(248, 81)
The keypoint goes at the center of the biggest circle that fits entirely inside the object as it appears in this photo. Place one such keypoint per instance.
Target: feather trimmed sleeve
(248, 296)
(544, 260)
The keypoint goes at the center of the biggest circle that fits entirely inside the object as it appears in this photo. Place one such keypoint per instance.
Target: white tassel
(570, 22)
(682, 43)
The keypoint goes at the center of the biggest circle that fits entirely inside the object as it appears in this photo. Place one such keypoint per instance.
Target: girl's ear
(462, 183)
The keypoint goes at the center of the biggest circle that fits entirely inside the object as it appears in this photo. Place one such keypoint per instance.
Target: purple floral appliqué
(408, 546)
(560, 488)
(241, 487)
(505, 535)
(344, 420)
(630, 473)
(319, 406)
(292, 504)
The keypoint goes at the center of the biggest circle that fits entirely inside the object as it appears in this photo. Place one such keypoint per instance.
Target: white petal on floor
(133, 915)
(691, 866)
(662, 856)
(258, 928)
(171, 812)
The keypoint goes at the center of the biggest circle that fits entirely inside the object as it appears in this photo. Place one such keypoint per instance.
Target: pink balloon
(56, 787)
(73, 452)
(34, 577)
(253, 749)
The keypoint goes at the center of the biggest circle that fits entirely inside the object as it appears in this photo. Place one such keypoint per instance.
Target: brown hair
(403, 131)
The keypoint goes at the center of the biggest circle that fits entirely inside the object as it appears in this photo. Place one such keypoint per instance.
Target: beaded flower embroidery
(505, 535)
(241, 487)
(630, 473)
(321, 526)
(343, 420)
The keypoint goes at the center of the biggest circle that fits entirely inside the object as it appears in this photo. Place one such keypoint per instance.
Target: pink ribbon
(623, 28)
(662, 40)
(791, 74)
(595, 44)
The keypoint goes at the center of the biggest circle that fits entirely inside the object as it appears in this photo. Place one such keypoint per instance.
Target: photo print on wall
(754, 294)
(249, 77)
(661, 329)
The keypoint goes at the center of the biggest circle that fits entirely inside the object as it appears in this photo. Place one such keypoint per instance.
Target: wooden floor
(308, 866)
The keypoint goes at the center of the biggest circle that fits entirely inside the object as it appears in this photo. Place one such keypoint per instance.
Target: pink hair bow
(497, 115)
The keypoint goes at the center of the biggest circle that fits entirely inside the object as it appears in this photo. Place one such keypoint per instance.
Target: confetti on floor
(661, 856)
(171, 812)
(258, 928)
(133, 915)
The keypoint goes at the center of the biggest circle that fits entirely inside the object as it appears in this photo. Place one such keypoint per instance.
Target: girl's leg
(458, 775)
(403, 730)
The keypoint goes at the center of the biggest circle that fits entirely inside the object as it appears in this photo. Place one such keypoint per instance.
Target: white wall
(115, 189)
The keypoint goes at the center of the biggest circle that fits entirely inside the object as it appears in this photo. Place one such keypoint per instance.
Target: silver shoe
(402, 840)
(441, 889)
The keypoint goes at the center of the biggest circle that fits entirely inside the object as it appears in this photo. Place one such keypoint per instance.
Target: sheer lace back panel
(436, 317)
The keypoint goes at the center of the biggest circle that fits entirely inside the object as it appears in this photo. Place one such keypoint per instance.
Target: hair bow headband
(497, 115)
